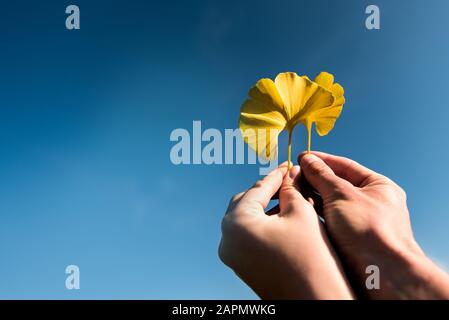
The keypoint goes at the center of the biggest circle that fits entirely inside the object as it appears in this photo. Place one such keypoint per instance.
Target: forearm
(431, 281)
(405, 273)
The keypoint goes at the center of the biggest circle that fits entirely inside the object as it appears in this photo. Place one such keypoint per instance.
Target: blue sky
(86, 115)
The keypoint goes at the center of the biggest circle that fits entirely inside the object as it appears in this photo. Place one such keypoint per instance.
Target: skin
(368, 221)
(286, 253)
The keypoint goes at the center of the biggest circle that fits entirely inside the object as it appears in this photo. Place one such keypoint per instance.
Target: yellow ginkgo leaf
(281, 104)
(325, 118)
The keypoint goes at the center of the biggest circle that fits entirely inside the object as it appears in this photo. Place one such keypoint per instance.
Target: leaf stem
(289, 148)
(309, 135)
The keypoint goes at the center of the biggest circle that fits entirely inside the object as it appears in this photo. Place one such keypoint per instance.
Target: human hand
(284, 255)
(368, 221)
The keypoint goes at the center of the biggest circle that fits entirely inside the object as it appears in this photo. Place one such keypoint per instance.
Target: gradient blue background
(85, 119)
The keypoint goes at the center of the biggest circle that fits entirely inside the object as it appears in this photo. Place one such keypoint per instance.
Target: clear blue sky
(85, 119)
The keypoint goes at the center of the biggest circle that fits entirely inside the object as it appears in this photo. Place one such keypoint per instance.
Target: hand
(285, 255)
(367, 218)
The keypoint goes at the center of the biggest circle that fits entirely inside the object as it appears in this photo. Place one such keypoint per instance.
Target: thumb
(289, 196)
(321, 176)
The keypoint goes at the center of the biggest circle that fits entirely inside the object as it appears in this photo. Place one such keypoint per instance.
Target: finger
(275, 210)
(321, 176)
(264, 189)
(348, 169)
(310, 194)
(290, 199)
(276, 195)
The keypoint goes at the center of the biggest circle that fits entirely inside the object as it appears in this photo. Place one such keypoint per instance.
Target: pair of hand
(289, 253)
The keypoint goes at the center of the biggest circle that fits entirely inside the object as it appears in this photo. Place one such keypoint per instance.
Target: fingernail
(308, 159)
(293, 172)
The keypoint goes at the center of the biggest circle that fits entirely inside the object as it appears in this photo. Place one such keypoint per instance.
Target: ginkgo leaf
(262, 117)
(273, 106)
(325, 118)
